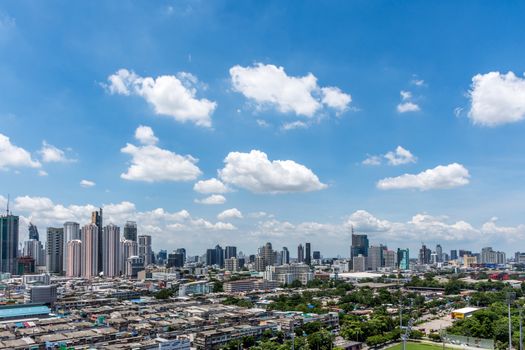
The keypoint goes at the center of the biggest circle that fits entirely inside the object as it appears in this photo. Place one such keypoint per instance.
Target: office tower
(55, 249)
(145, 249)
(266, 253)
(300, 253)
(34, 249)
(8, 242)
(359, 263)
(33, 232)
(89, 251)
(182, 251)
(230, 252)
(389, 258)
(308, 254)
(74, 258)
(162, 257)
(425, 255)
(316, 255)
(175, 259)
(219, 256)
(453, 254)
(464, 252)
(403, 259)
(359, 245)
(97, 219)
(71, 232)
(285, 256)
(375, 257)
(277, 257)
(128, 248)
(439, 253)
(111, 251)
(130, 231)
(210, 257)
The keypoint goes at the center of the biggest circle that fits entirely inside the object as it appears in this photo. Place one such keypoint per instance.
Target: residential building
(71, 232)
(89, 250)
(130, 231)
(286, 274)
(285, 256)
(34, 249)
(359, 263)
(128, 248)
(145, 249)
(74, 258)
(55, 249)
(300, 253)
(111, 251)
(97, 219)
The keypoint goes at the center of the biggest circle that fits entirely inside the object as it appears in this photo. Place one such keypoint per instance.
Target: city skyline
(296, 131)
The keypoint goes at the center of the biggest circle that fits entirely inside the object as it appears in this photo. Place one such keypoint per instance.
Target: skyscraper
(130, 231)
(285, 256)
(8, 242)
(128, 248)
(425, 255)
(308, 255)
(97, 219)
(219, 256)
(55, 249)
(439, 253)
(182, 251)
(267, 254)
(145, 249)
(375, 258)
(210, 257)
(111, 251)
(453, 254)
(403, 259)
(230, 252)
(71, 232)
(74, 258)
(34, 249)
(359, 245)
(33, 232)
(300, 253)
(89, 251)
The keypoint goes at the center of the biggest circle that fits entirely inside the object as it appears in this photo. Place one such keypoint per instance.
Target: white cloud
(169, 95)
(14, 156)
(407, 107)
(361, 220)
(295, 125)
(214, 199)
(210, 186)
(333, 97)
(417, 82)
(497, 99)
(405, 95)
(87, 183)
(269, 85)
(440, 177)
(145, 135)
(42, 173)
(232, 213)
(262, 123)
(254, 172)
(151, 164)
(52, 154)
(400, 156)
(372, 160)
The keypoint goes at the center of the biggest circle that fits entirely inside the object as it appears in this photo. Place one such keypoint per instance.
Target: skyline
(308, 121)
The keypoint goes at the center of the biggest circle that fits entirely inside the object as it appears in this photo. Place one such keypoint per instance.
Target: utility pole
(510, 298)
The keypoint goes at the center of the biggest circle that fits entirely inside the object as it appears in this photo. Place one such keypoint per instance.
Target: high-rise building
(403, 259)
(375, 257)
(182, 251)
(134, 265)
(130, 231)
(97, 219)
(145, 249)
(231, 264)
(111, 251)
(454, 254)
(489, 256)
(74, 258)
(175, 260)
(9, 225)
(25, 265)
(34, 249)
(71, 232)
(308, 254)
(316, 255)
(33, 232)
(285, 256)
(55, 249)
(230, 252)
(359, 263)
(389, 258)
(89, 251)
(210, 257)
(359, 245)
(300, 253)
(425, 255)
(266, 253)
(219, 256)
(439, 253)
(128, 248)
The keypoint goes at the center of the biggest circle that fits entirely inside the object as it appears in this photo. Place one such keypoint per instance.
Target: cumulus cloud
(497, 99)
(150, 163)
(12, 156)
(361, 220)
(269, 85)
(440, 177)
(52, 154)
(295, 125)
(214, 199)
(170, 95)
(232, 213)
(87, 183)
(210, 186)
(406, 104)
(145, 135)
(400, 156)
(255, 172)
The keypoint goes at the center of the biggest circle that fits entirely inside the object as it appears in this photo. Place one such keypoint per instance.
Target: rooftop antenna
(8, 197)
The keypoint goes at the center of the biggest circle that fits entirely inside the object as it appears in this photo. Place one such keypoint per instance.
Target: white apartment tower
(74, 258)
(111, 251)
(89, 235)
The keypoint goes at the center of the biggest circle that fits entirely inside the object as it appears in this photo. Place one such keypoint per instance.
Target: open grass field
(419, 346)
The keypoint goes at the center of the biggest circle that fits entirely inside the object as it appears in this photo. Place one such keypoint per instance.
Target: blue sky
(443, 80)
